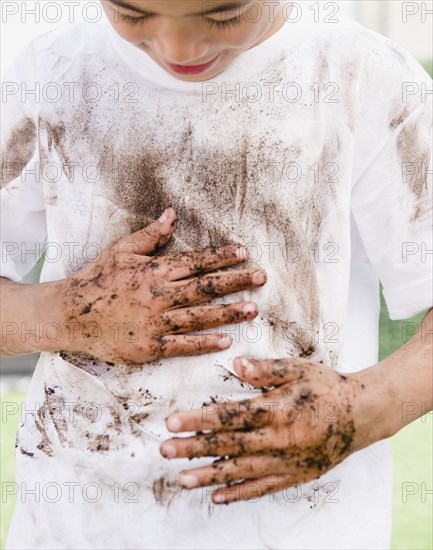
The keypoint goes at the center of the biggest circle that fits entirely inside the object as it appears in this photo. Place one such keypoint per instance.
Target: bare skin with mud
(303, 426)
(155, 298)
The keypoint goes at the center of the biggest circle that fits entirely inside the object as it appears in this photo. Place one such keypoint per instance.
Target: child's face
(173, 32)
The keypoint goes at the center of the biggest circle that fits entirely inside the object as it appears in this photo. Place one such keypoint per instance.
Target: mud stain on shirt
(415, 153)
(221, 195)
(399, 118)
(165, 491)
(45, 444)
(18, 150)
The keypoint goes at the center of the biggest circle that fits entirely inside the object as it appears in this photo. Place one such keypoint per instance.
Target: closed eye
(135, 20)
(211, 22)
(225, 23)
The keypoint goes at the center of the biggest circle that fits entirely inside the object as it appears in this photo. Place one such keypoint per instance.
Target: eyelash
(211, 22)
(223, 24)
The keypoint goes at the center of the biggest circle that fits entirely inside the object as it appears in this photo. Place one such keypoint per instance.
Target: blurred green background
(412, 451)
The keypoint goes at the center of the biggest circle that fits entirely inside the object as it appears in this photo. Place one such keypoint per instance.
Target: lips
(192, 69)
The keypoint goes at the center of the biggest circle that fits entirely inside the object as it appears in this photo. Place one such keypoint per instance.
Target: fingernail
(164, 217)
(218, 498)
(225, 341)
(173, 424)
(188, 481)
(246, 366)
(168, 450)
(259, 278)
(242, 253)
(250, 307)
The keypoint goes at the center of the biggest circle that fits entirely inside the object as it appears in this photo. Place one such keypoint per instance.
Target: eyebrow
(217, 9)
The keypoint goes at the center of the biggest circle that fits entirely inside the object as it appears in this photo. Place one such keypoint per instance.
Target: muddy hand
(131, 307)
(297, 430)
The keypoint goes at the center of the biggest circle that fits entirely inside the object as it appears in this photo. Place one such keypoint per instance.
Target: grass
(412, 451)
(412, 513)
(428, 66)
(8, 429)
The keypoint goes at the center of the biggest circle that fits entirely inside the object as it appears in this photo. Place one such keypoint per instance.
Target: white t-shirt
(304, 148)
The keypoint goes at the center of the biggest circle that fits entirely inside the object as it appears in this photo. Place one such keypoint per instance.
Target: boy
(259, 128)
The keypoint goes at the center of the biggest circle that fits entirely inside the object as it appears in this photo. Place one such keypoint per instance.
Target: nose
(180, 44)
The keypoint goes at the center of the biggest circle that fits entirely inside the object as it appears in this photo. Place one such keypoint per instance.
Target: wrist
(50, 332)
(399, 389)
(374, 411)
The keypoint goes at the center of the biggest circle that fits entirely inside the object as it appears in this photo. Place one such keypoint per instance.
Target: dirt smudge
(164, 491)
(399, 118)
(18, 150)
(26, 453)
(414, 154)
(44, 445)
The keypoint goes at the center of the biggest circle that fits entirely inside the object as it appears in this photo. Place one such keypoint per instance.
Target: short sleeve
(391, 201)
(23, 230)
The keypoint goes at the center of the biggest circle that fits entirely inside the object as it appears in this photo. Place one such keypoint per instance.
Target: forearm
(399, 389)
(32, 317)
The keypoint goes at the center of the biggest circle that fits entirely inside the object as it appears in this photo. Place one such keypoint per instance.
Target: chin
(197, 77)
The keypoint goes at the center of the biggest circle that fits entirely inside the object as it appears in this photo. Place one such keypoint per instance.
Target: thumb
(146, 240)
(272, 372)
